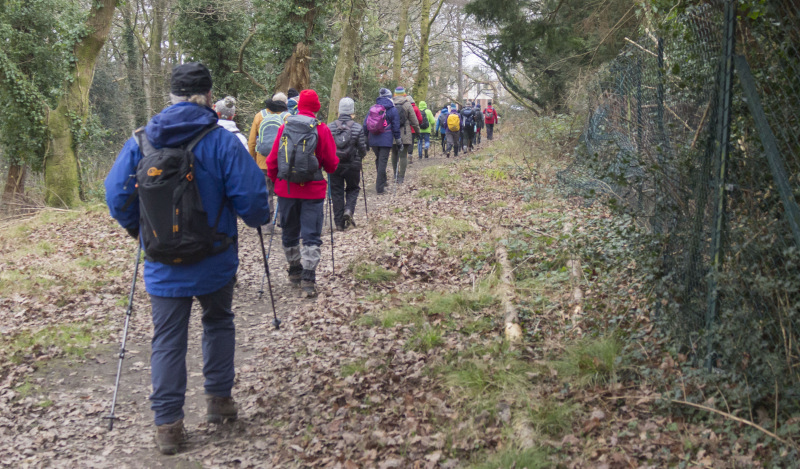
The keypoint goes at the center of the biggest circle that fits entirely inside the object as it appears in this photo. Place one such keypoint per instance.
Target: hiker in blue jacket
(230, 184)
(381, 143)
(441, 126)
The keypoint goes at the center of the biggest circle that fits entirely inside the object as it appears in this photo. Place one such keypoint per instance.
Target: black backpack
(296, 159)
(425, 122)
(469, 117)
(343, 136)
(174, 224)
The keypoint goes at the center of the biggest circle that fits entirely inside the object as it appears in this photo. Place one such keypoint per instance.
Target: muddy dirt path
(296, 410)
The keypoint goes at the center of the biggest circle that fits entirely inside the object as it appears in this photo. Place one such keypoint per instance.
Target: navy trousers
(301, 218)
(168, 358)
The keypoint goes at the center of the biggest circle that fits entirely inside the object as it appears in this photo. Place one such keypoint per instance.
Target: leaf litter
(329, 389)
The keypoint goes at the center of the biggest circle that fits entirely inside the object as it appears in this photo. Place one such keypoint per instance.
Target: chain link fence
(695, 131)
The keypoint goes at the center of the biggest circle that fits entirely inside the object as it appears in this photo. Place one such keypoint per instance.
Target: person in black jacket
(351, 147)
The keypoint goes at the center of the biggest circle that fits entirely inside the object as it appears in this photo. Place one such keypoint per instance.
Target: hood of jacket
(401, 100)
(178, 124)
(228, 125)
(423, 105)
(385, 102)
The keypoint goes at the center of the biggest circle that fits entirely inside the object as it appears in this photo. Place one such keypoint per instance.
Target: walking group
(180, 182)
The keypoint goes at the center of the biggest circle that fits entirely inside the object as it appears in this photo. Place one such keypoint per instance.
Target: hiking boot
(221, 409)
(308, 284)
(426, 153)
(348, 219)
(295, 273)
(339, 227)
(309, 289)
(170, 437)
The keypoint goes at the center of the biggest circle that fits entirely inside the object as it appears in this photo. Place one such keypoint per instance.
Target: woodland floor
(400, 362)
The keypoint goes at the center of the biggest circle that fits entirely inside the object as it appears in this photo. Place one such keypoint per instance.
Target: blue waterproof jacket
(439, 127)
(225, 174)
(385, 139)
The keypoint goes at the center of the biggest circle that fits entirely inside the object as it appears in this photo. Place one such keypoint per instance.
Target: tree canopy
(538, 47)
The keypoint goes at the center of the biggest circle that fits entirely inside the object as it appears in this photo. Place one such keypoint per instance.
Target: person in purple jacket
(381, 143)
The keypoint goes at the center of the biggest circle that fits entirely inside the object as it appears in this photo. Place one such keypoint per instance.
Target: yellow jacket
(261, 160)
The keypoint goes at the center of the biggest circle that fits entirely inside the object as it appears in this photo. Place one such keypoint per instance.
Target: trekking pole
(269, 251)
(111, 417)
(275, 321)
(396, 172)
(330, 218)
(364, 188)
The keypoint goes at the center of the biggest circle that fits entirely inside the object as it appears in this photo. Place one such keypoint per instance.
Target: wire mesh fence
(695, 131)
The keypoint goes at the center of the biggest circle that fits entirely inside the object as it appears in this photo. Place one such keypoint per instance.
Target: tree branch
(240, 68)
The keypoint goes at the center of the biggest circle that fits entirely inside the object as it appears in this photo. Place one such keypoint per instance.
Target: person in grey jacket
(351, 147)
(400, 152)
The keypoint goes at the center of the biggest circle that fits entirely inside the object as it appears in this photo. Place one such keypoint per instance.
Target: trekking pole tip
(110, 419)
(277, 323)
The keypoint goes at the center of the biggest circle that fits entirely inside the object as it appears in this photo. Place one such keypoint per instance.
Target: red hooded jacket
(308, 105)
(418, 113)
(490, 115)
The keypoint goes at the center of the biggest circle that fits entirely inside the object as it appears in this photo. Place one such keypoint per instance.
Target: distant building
(484, 97)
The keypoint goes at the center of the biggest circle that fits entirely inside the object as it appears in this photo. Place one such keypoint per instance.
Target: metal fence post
(768, 140)
(720, 172)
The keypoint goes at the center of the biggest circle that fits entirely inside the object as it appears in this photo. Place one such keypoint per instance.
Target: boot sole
(221, 418)
(168, 450)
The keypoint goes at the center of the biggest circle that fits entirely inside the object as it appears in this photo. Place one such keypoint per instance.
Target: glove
(269, 219)
(397, 142)
(133, 232)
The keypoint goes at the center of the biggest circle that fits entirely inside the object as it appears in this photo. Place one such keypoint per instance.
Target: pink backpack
(376, 119)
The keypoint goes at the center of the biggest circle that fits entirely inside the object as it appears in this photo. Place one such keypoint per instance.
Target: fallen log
(506, 290)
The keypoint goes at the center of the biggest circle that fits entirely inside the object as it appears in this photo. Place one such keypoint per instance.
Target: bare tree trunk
(134, 67)
(460, 36)
(15, 185)
(158, 94)
(296, 73)
(397, 51)
(61, 175)
(423, 77)
(347, 52)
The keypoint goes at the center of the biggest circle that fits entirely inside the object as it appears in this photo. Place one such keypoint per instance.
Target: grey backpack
(296, 159)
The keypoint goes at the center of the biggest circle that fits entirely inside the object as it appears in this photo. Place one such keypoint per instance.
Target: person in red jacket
(301, 206)
(414, 134)
(490, 118)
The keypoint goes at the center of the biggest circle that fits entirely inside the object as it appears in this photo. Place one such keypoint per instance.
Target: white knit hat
(347, 106)
(226, 107)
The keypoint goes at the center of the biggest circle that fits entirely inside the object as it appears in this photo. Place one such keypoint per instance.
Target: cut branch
(513, 331)
(240, 68)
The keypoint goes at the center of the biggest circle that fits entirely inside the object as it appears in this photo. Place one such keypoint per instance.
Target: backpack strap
(263, 113)
(190, 146)
(137, 135)
(226, 240)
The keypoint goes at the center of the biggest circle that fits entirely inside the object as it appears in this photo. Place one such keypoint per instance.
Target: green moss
(372, 273)
(352, 368)
(592, 361)
(73, 340)
(533, 458)
(425, 338)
